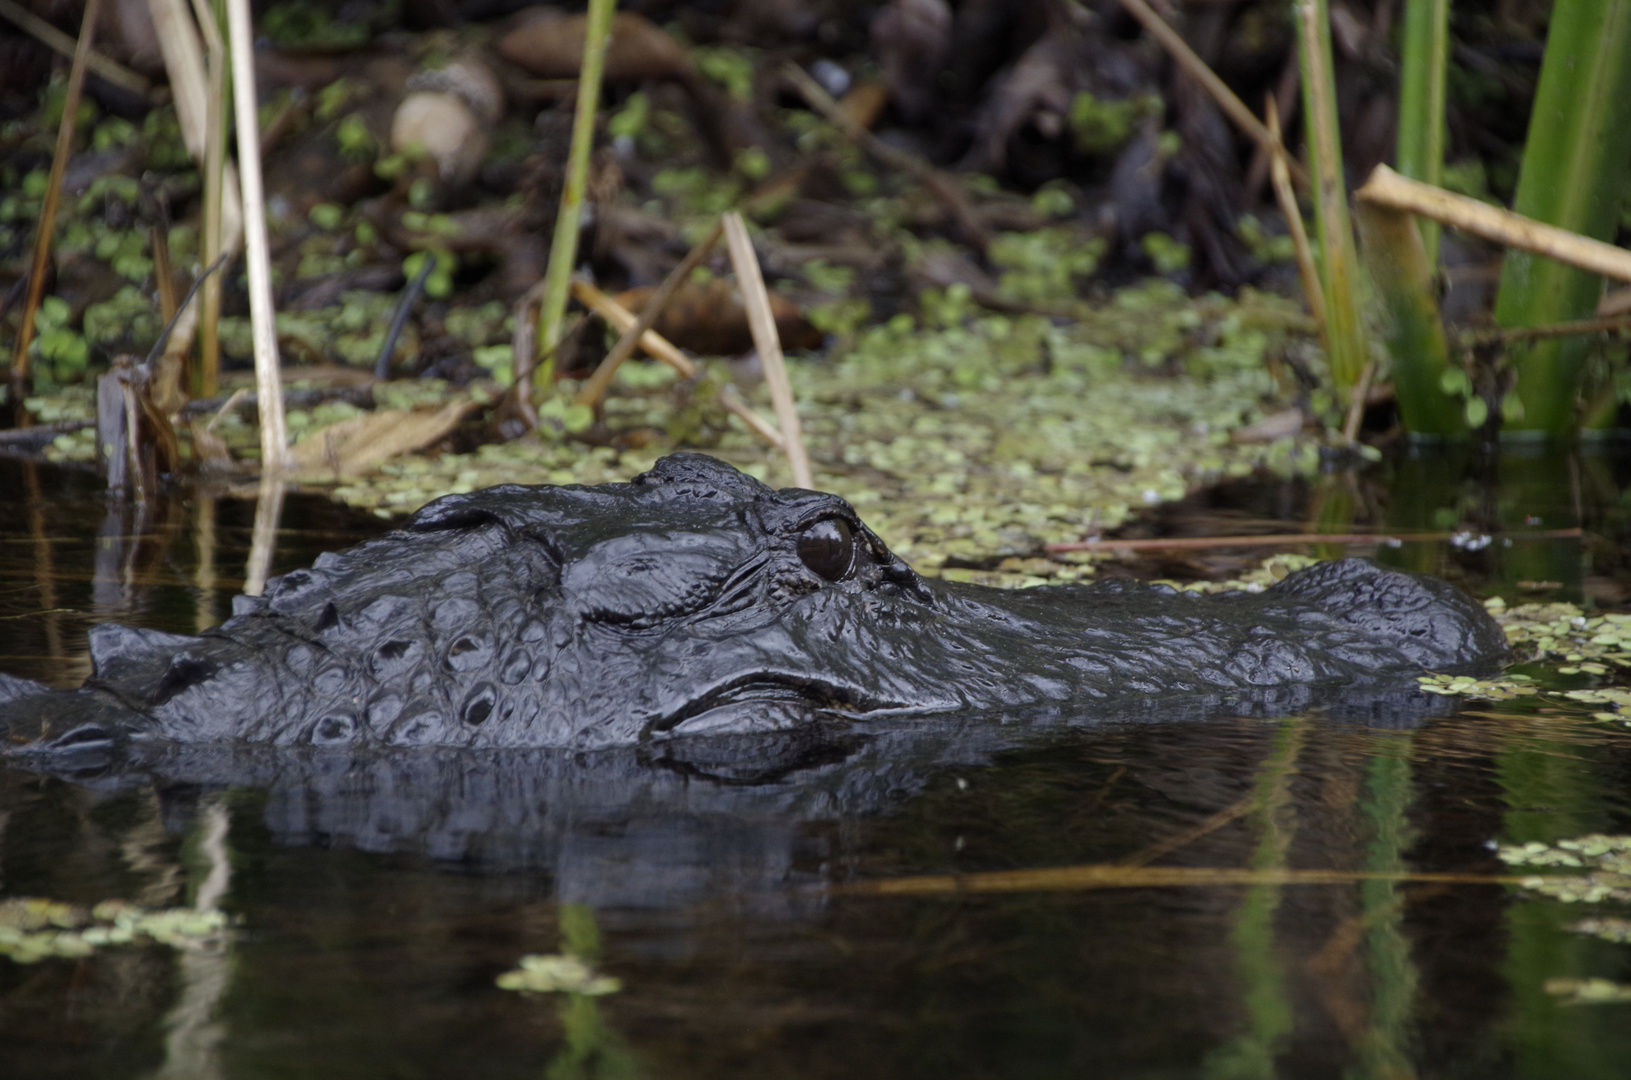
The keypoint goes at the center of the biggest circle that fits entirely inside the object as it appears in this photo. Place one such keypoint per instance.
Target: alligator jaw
(771, 701)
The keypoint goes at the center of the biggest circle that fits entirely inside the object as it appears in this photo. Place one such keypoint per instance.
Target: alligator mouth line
(793, 697)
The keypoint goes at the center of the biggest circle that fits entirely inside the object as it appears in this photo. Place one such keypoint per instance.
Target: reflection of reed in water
(193, 1034)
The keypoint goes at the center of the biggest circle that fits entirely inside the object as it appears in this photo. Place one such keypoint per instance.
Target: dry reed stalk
(1280, 174)
(1387, 188)
(53, 195)
(217, 191)
(268, 377)
(762, 322)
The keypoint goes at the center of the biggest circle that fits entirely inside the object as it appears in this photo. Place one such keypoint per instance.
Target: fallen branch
(660, 348)
(595, 388)
(1507, 335)
(1201, 543)
(762, 321)
(1387, 188)
(942, 187)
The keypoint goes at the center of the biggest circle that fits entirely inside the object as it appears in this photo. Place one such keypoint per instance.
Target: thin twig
(268, 378)
(1280, 174)
(1233, 107)
(157, 350)
(48, 35)
(53, 195)
(1201, 543)
(1110, 876)
(664, 350)
(1508, 335)
(751, 283)
(1387, 188)
(382, 366)
(1356, 404)
(941, 186)
(595, 388)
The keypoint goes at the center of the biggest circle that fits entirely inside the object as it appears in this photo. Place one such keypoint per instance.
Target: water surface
(377, 899)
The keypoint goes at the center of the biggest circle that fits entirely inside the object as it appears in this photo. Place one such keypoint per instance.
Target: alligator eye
(828, 548)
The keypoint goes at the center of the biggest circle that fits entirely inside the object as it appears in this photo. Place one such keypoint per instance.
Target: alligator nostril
(327, 619)
(333, 729)
(479, 705)
(394, 650)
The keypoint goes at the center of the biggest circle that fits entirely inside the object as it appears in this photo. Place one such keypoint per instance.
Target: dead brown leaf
(363, 442)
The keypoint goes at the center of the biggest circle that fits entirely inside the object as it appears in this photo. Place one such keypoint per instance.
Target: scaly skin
(681, 602)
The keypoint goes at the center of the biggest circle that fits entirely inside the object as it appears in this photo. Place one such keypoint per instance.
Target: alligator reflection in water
(696, 600)
(660, 825)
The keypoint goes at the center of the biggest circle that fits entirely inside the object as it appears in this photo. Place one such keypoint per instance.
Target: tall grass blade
(1420, 151)
(1345, 332)
(563, 251)
(1396, 256)
(1574, 172)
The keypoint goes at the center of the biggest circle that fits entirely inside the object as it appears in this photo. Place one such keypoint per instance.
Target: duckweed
(34, 929)
(557, 974)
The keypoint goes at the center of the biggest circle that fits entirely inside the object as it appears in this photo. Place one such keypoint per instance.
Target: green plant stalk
(563, 251)
(1575, 167)
(1420, 150)
(1396, 256)
(1345, 342)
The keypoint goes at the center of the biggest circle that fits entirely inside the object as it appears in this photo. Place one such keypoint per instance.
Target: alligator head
(696, 599)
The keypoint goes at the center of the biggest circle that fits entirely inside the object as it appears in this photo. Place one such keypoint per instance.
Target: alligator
(696, 599)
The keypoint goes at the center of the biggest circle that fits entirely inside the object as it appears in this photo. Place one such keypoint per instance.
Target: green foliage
(57, 346)
(326, 216)
(333, 98)
(440, 282)
(1100, 126)
(127, 253)
(1043, 266)
(1575, 168)
(731, 68)
(355, 140)
(752, 163)
(1168, 255)
(563, 414)
(1052, 200)
(630, 121)
(112, 133)
(498, 360)
(165, 149)
(127, 320)
(301, 22)
(696, 191)
(1264, 245)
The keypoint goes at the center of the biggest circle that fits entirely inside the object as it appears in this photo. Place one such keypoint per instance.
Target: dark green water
(377, 901)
